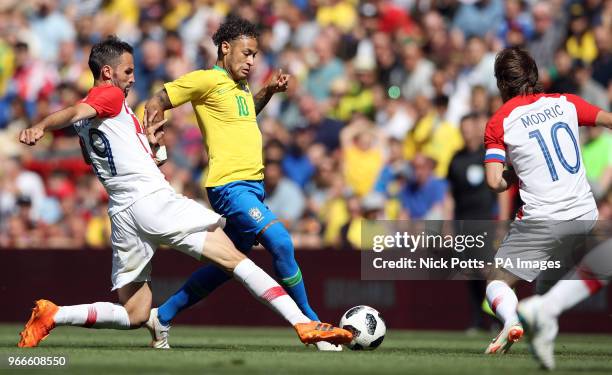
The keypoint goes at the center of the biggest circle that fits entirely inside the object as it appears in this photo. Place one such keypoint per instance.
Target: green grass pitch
(215, 350)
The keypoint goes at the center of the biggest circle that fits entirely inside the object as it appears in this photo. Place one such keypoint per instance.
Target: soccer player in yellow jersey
(226, 111)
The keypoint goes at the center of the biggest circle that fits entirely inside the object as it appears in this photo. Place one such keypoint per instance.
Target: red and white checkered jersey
(538, 135)
(115, 144)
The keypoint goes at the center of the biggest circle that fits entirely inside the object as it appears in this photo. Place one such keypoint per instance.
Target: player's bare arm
(56, 120)
(277, 83)
(604, 119)
(498, 178)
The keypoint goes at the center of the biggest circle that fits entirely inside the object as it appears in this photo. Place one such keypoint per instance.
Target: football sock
(198, 286)
(95, 315)
(262, 286)
(278, 242)
(205, 280)
(503, 302)
(590, 276)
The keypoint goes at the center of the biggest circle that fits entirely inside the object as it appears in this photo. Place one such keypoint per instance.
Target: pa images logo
(256, 214)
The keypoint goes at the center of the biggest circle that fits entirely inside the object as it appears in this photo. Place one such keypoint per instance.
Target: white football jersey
(115, 144)
(538, 135)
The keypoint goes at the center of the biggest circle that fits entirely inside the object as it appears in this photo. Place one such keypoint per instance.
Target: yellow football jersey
(226, 116)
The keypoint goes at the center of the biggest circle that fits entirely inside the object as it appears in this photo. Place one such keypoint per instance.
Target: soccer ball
(367, 326)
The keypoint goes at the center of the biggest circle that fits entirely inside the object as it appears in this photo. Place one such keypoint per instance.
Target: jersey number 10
(573, 169)
(243, 108)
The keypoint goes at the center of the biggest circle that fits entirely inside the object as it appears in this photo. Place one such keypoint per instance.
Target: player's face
(123, 73)
(240, 57)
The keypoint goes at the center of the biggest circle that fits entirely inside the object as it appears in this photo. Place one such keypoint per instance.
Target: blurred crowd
(383, 119)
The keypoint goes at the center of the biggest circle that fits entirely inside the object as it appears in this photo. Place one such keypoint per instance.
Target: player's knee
(232, 258)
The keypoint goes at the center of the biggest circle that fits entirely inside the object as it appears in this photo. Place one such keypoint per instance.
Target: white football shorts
(160, 218)
(530, 243)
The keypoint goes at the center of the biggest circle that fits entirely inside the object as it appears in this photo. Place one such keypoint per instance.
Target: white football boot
(325, 346)
(542, 328)
(158, 331)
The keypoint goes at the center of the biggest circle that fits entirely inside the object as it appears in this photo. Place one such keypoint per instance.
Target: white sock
(95, 315)
(503, 302)
(591, 275)
(262, 286)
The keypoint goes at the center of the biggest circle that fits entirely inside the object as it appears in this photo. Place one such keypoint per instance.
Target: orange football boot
(40, 324)
(312, 332)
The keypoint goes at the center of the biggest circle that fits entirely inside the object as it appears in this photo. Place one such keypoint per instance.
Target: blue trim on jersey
(495, 157)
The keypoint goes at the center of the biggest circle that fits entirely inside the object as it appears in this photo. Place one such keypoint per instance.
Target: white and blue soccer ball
(367, 326)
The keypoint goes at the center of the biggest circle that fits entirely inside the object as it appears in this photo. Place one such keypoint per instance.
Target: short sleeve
(587, 112)
(190, 87)
(106, 100)
(494, 140)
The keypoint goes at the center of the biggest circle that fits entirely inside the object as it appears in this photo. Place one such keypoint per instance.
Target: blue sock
(278, 242)
(201, 283)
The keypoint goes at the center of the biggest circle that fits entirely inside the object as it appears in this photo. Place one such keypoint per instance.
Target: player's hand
(153, 129)
(31, 135)
(278, 82)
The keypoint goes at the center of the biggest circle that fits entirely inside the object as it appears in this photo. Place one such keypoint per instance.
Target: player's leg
(133, 311)
(277, 240)
(199, 285)
(503, 303)
(130, 273)
(539, 314)
(189, 227)
(247, 217)
(499, 294)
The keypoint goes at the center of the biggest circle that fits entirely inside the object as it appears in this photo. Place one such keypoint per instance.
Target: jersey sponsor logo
(256, 214)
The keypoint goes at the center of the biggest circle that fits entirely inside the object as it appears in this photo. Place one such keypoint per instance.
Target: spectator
(418, 71)
(602, 65)
(150, 68)
(326, 69)
(517, 26)
(434, 136)
(549, 33)
(283, 196)
(296, 163)
(326, 130)
(470, 197)
(52, 28)
(424, 195)
(478, 18)
(363, 155)
(589, 89)
(580, 42)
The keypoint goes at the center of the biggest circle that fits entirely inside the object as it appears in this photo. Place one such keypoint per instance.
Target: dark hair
(107, 52)
(440, 101)
(469, 116)
(233, 28)
(516, 73)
